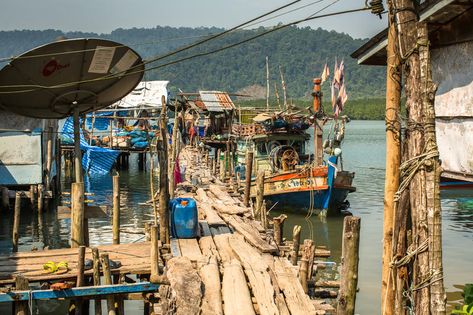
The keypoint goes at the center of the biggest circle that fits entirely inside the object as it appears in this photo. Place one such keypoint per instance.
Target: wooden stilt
(116, 209)
(248, 172)
(154, 255)
(49, 157)
(303, 273)
(107, 279)
(40, 200)
(16, 221)
(33, 198)
(77, 151)
(349, 269)
(163, 179)
(21, 283)
(96, 277)
(58, 160)
(259, 192)
(5, 199)
(80, 278)
(296, 239)
(77, 215)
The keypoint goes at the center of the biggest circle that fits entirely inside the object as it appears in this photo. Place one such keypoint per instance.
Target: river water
(363, 152)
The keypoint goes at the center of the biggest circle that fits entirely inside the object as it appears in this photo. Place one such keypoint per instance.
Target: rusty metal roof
(216, 101)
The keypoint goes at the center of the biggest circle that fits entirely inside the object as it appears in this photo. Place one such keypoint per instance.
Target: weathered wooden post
(116, 209)
(77, 151)
(5, 199)
(80, 278)
(278, 225)
(296, 240)
(33, 196)
(96, 277)
(58, 161)
(154, 255)
(16, 221)
(107, 279)
(259, 192)
(40, 200)
(77, 215)
(393, 158)
(163, 180)
(248, 172)
(49, 157)
(349, 265)
(21, 284)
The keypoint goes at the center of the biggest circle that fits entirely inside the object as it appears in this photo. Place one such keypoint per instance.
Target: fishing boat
(296, 179)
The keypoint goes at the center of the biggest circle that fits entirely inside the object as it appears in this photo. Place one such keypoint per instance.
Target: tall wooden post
(77, 215)
(116, 209)
(107, 279)
(77, 151)
(154, 253)
(16, 221)
(317, 105)
(296, 240)
(49, 157)
(174, 148)
(349, 268)
(21, 284)
(248, 172)
(267, 83)
(80, 277)
(96, 277)
(438, 298)
(278, 225)
(163, 180)
(393, 158)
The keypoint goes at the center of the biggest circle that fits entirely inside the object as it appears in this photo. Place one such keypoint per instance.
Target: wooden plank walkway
(134, 259)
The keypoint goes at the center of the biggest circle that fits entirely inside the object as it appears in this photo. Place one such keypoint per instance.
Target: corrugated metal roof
(216, 101)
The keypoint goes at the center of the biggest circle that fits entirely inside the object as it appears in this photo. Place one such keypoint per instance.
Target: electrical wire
(120, 75)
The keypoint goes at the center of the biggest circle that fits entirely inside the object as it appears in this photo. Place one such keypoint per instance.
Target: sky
(103, 16)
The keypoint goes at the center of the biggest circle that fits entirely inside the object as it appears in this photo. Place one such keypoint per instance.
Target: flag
(336, 76)
(343, 95)
(325, 73)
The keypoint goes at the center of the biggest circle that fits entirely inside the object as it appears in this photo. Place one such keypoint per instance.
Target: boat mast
(267, 83)
(283, 87)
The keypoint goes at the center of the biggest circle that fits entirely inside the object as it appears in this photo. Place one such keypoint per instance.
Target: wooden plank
(186, 285)
(208, 247)
(297, 301)
(210, 275)
(211, 216)
(204, 228)
(257, 272)
(78, 292)
(64, 212)
(235, 292)
(190, 249)
(251, 235)
(175, 249)
(223, 246)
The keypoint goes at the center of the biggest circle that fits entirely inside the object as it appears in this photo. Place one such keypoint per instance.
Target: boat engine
(283, 158)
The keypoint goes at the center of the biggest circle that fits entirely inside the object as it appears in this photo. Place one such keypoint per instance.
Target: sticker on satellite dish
(125, 62)
(102, 59)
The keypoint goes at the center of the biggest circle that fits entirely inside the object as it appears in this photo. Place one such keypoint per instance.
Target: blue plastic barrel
(184, 218)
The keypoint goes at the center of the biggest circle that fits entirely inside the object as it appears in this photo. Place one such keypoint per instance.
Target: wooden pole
(349, 266)
(248, 172)
(58, 159)
(259, 192)
(267, 83)
(303, 273)
(154, 255)
(107, 279)
(96, 276)
(80, 277)
(77, 151)
(21, 284)
(163, 180)
(33, 196)
(438, 298)
(393, 158)
(116, 209)
(49, 157)
(77, 215)
(40, 200)
(16, 221)
(296, 240)
(278, 223)
(5, 199)
(174, 145)
(283, 83)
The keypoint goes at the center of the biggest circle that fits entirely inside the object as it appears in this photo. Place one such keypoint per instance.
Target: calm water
(363, 152)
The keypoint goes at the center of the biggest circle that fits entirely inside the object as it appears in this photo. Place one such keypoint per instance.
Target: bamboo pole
(16, 221)
(96, 277)
(116, 209)
(248, 172)
(393, 158)
(349, 268)
(5, 199)
(21, 284)
(259, 192)
(77, 215)
(107, 279)
(163, 180)
(296, 240)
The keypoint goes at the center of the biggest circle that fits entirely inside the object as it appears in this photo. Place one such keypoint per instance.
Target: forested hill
(301, 52)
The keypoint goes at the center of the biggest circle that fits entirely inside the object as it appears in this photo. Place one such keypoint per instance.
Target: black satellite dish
(82, 75)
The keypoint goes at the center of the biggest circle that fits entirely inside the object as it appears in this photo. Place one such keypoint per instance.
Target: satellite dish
(51, 81)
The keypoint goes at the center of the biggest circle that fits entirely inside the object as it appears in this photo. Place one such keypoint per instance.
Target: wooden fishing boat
(296, 179)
